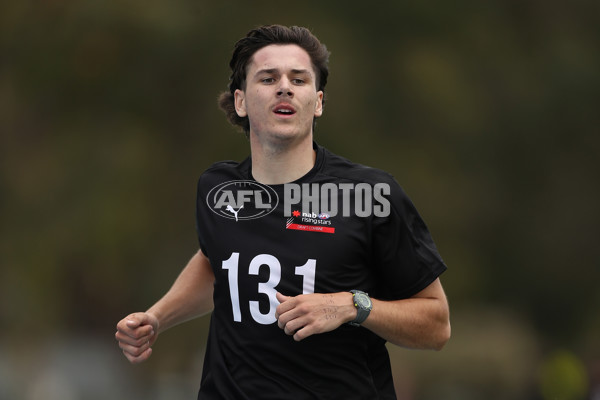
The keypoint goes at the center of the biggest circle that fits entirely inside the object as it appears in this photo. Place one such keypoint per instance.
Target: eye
(267, 80)
(298, 81)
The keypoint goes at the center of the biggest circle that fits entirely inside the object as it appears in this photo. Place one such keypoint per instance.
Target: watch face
(362, 300)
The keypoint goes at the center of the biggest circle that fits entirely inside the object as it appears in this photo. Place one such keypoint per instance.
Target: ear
(319, 105)
(240, 103)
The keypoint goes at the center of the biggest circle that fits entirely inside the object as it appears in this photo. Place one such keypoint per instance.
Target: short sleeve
(406, 258)
(200, 217)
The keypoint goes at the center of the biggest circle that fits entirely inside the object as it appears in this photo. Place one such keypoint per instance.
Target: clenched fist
(136, 333)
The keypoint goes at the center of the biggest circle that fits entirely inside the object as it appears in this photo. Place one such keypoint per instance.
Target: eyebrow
(276, 70)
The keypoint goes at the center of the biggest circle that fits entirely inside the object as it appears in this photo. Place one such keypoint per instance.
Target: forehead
(282, 57)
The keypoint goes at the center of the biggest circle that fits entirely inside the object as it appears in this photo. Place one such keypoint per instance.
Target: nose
(285, 88)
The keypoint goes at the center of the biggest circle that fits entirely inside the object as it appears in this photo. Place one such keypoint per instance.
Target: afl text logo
(242, 200)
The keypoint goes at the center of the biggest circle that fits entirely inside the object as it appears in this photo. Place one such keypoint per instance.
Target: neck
(279, 163)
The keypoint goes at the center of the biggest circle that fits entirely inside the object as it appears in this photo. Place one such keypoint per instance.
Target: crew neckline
(313, 171)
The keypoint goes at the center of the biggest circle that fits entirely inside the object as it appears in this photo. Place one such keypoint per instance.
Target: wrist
(349, 308)
(154, 316)
(363, 305)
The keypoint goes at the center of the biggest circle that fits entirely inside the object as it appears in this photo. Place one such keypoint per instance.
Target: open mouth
(284, 109)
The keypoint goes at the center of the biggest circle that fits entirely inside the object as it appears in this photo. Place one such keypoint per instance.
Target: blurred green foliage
(486, 113)
(563, 376)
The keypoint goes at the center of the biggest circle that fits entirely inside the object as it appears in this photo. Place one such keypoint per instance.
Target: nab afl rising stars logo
(242, 200)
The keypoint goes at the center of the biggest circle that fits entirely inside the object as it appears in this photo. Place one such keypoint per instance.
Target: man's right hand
(136, 333)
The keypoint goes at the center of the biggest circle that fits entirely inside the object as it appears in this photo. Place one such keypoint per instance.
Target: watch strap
(361, 312)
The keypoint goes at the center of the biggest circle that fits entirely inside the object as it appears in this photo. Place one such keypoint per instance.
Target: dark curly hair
(261, 37)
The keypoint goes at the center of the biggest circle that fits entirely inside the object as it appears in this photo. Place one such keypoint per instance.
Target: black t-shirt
(357, 229)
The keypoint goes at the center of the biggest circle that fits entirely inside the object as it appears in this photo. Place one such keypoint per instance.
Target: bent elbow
(443, 337)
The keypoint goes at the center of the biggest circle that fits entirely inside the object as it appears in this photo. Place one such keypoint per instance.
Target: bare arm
(189, 297)
(421, 321)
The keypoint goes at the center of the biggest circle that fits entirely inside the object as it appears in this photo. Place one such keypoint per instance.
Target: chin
(281, 133)
(285, 136)
(291, 137)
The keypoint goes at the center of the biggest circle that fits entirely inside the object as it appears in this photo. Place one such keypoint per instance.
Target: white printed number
(307, 271)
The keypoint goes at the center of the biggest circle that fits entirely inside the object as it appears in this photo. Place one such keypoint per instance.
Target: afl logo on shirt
(241, 200)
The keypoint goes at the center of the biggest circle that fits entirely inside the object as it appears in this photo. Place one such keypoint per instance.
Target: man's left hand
(308, 314)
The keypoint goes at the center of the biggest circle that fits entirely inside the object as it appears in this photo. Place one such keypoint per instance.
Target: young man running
(308, 262)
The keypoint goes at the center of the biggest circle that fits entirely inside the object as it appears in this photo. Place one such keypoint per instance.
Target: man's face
(280, 98)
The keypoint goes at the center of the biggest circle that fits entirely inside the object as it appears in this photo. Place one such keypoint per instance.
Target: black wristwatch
(363, 305)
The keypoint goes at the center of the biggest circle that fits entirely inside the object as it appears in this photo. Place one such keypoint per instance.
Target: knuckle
(289, 328)
(128, 356)
(139, 352)
(137, 334)
(304, 308)
(296, 326)
(135, 351)
(141, 357)
(283, 320)
(319, 326)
